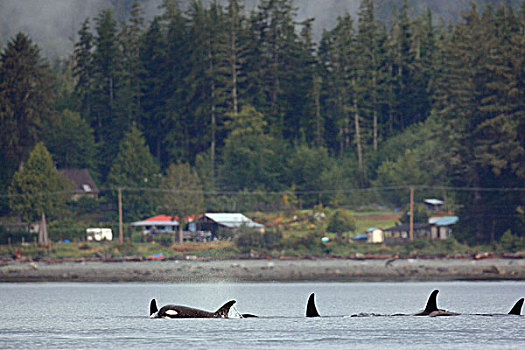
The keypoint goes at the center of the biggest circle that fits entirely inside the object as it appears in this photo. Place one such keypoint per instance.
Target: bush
(340, 222)
(312, 240)
(248, 239)
(137, 237)
(64, 230)
(511, 243)
(272, 239)
(164, 239)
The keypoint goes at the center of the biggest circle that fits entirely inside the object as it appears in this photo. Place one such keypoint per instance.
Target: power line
(269, 193)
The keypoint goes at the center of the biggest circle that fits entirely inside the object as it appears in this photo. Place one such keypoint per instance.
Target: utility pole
(43, 238)
(411, 232)
(120, 229)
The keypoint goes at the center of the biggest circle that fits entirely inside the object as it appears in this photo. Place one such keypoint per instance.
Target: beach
(254, 270)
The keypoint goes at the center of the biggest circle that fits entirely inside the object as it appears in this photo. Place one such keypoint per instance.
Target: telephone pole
(411, 232)
(120, 229)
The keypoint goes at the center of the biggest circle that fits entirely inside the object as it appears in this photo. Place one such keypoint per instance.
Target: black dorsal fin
(311, 310)
(432, 302)
(224, 310)
(153, 307)
(516, 309)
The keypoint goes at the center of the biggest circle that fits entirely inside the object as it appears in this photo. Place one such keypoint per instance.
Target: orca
(311, 310)
(516, 309)
(432, 310)
(180, 311)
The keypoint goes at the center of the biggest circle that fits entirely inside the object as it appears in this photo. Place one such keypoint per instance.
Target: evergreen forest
(243, 110)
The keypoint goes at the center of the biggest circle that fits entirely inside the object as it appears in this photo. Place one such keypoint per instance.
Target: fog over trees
(54, 24)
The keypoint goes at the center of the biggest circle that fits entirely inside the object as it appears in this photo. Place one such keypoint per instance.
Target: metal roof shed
(215, 222)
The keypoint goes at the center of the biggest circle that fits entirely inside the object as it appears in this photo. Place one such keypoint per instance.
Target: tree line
(250, 102)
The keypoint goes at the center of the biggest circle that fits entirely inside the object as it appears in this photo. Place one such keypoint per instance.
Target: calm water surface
(115, 316)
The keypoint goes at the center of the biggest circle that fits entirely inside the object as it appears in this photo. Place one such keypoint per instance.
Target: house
(433, 204)
(157, 224)
(441, 227)
(218, 223)
(83, 183)
(400, 233)
(375, 235)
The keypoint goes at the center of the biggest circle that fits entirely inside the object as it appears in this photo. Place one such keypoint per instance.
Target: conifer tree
(368, 65)
(25, 101)
(70, 140)
(172, 92)
(136, 171)
(109, 121)
(337, 51)
(401, 62)
(38, 188)
(83, 70)
(130, 92)
(251, 158)
(273, 34)
(154, 92)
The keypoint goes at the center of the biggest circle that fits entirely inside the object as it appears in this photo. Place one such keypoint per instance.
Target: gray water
(115, 316)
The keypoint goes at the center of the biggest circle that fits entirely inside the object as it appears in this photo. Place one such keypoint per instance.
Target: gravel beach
(266, 270)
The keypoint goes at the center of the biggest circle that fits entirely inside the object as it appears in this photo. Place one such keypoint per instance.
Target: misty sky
(53, 23)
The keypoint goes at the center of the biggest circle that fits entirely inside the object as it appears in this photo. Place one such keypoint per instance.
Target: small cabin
(441, 227)
(374, 235)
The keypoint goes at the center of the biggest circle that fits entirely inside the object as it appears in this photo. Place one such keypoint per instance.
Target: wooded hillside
(255, 105)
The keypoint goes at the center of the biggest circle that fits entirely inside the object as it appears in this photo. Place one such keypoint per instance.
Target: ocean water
(115, 316)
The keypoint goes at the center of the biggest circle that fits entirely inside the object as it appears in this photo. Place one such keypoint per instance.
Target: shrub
(164, 239)
(511, 243)
(137, 237)
(340, 222)
(247, 239)
(272, 239)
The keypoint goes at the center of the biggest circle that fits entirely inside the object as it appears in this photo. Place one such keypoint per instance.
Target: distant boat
(159, 256)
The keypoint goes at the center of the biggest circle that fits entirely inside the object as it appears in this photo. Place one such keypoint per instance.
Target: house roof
(443, 221)
(82, 180)
(433, 201)
(406, 227)
(159, 220)
(232, 220)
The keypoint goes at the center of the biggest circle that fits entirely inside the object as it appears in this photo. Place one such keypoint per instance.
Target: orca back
(311, 310)
(431, 305)
(432, 302)
(224, 310)
(153, 307)
(516, 309)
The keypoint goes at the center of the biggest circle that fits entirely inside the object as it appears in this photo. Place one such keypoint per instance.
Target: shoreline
(259, 270)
